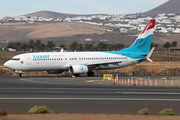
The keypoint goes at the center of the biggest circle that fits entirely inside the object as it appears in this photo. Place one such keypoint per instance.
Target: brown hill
(171, 6)
(21, 31)
(66, 33)
(50, 14)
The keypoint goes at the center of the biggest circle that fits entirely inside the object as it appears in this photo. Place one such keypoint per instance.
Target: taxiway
(68, 95)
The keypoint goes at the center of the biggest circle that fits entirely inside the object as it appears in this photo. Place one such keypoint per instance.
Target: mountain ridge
(171, 6)
(51, 14)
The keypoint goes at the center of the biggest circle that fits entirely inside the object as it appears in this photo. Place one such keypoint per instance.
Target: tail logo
(149, 26)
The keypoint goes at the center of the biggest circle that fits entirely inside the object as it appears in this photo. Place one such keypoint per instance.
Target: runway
(68, 95)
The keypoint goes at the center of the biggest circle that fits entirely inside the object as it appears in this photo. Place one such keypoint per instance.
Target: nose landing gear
(20, 73)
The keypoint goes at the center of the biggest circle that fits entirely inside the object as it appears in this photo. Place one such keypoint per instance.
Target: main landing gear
(21, 75)
(90, 73)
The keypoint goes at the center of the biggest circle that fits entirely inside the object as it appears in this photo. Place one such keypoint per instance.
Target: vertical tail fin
(143, 42)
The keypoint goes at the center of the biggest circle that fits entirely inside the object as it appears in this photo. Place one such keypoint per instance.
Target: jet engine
(78, 69)
(54, 72)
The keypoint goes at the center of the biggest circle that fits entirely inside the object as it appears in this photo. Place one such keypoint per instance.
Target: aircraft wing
(105, 63)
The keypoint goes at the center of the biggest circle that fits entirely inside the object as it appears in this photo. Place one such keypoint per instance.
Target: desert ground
(73, 116)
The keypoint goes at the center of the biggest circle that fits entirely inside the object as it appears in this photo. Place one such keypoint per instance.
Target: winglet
(150, 54)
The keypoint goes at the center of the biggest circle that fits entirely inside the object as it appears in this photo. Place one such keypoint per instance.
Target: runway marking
(153, 93)
(124, 93)
(49, 81)
(101, 99)
(41, 81)
(46, 90)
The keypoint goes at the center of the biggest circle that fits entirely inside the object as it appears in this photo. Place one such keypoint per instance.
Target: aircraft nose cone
(7, 64)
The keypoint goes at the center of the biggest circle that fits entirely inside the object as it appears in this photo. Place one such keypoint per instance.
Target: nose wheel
(21, 75)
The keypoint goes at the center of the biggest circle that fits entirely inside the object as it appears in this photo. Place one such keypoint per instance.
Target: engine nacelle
(54, 72)
(78, 69)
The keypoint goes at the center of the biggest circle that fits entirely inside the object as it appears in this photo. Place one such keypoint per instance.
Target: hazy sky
(21, 7)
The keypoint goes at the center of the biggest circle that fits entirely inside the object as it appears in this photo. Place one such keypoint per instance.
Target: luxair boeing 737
(85, 62)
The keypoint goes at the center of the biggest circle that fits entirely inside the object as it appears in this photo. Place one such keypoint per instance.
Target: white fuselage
(44, 61)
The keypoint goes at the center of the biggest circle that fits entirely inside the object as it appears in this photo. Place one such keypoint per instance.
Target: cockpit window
(16, 59)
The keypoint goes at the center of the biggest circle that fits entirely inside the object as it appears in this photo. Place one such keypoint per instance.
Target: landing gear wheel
(21, 75)
(76, 75)
(90, 73)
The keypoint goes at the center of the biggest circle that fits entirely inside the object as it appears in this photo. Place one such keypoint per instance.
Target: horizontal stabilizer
(150, 54)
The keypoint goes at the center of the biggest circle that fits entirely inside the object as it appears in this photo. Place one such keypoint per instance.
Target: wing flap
(104, 63)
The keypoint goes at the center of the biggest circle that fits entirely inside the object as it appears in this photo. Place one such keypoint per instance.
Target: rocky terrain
(165, 8)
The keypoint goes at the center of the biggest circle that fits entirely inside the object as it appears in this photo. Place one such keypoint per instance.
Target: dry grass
(2, 113)
(72, 116)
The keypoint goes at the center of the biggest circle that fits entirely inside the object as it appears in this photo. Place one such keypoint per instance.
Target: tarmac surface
(68, 95)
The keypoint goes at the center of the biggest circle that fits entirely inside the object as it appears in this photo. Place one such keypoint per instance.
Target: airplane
(85, 62)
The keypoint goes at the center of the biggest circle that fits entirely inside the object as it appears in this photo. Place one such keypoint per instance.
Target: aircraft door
(28, 60)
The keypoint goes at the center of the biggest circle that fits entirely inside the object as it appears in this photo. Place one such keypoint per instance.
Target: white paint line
(129, 93)
(101, 99)
(148, 93)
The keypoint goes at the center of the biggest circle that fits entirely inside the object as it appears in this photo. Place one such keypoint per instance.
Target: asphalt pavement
(68, 95)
